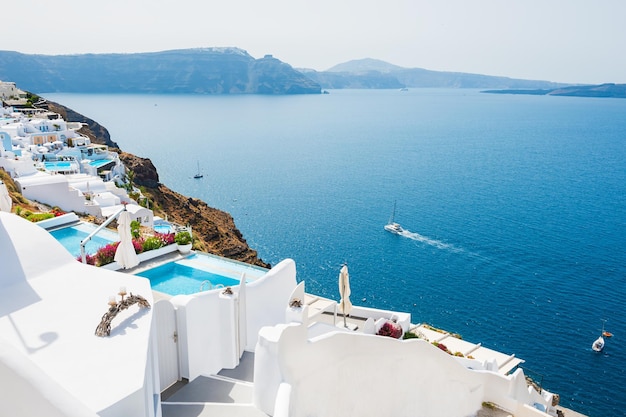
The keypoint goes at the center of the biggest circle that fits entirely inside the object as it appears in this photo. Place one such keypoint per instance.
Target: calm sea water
(514, 206)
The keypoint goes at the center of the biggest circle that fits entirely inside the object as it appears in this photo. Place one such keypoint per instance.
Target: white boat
(392, 226)
(199, 174)
(598, 344)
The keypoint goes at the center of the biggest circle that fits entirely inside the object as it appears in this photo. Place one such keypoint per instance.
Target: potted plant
(183, 241)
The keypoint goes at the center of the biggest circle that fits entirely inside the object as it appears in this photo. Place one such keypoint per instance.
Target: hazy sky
(576, 41)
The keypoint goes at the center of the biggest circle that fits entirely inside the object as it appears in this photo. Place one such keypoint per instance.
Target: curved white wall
(267, 298)
(369, 375)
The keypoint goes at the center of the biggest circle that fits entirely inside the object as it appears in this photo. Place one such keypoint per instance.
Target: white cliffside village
(55, 165)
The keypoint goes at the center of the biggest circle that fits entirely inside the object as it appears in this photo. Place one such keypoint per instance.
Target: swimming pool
(190, 275)
(70, 238)
(100, 162)
(163, 227)
(61, 165)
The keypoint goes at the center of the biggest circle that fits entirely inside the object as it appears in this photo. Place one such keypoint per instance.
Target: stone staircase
(228, 393)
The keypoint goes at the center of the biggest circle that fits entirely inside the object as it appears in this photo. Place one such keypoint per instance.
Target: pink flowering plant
(90, 259)
(166, 238)
(442, 347)
(106, 254)
(390, 329)
(138, 245)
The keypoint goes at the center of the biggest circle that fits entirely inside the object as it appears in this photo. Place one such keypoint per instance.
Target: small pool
(61, 166)
(100, 162)
(163, 227)
(70, 238)
(199, 272)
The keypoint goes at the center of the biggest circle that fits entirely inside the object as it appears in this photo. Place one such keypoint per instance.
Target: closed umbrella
(5, 198)
(125, 254)
(345, 305)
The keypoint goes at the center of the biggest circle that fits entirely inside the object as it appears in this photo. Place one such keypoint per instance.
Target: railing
(206, 281)
(210, 285)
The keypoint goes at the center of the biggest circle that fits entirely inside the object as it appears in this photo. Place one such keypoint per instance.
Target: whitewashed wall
(267, 299)
(54, 191)
(368, 375)
(209, 322)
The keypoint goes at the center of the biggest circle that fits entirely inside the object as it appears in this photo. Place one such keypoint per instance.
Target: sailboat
(598, 344)
(199, 174)
(391, 225)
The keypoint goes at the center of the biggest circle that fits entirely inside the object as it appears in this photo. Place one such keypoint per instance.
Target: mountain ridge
(374, 73)
(180, 71)
(225, 70)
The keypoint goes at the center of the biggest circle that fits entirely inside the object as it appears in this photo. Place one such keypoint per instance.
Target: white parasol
(345, 306)
(125, 254)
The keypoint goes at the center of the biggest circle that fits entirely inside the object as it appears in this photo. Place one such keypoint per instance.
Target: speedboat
(394, 228)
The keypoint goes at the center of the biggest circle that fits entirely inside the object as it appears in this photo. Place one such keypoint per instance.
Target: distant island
(602, 90)
(373, 73)
(187, 71)
(225, 71)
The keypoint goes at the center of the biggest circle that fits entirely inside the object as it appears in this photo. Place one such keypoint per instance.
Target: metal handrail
(206, 281)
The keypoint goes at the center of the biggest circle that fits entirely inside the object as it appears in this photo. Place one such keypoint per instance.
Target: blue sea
(514, 208)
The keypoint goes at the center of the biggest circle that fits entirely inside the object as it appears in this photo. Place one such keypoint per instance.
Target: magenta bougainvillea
(390, 329)
(106, 254)
(90, 259)
(138, 245)
(166, 238)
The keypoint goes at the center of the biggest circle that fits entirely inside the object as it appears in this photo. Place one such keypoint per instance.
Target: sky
(570, 41)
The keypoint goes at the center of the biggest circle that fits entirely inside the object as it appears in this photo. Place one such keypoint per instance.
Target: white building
(35, 150)
(8, 91)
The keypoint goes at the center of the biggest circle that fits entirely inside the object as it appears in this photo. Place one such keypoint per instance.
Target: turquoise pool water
(70, 238)
(163, 228)
(189, 275)
(59, 166)
(100, 162)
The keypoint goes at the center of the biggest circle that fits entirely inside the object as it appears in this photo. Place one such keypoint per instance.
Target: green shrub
(135, 227)
(37, 217)
(151, 243)
(183, 238)
(410, 335)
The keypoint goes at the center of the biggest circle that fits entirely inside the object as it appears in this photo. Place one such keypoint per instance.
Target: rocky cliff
(214, 230)
(185, 71)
